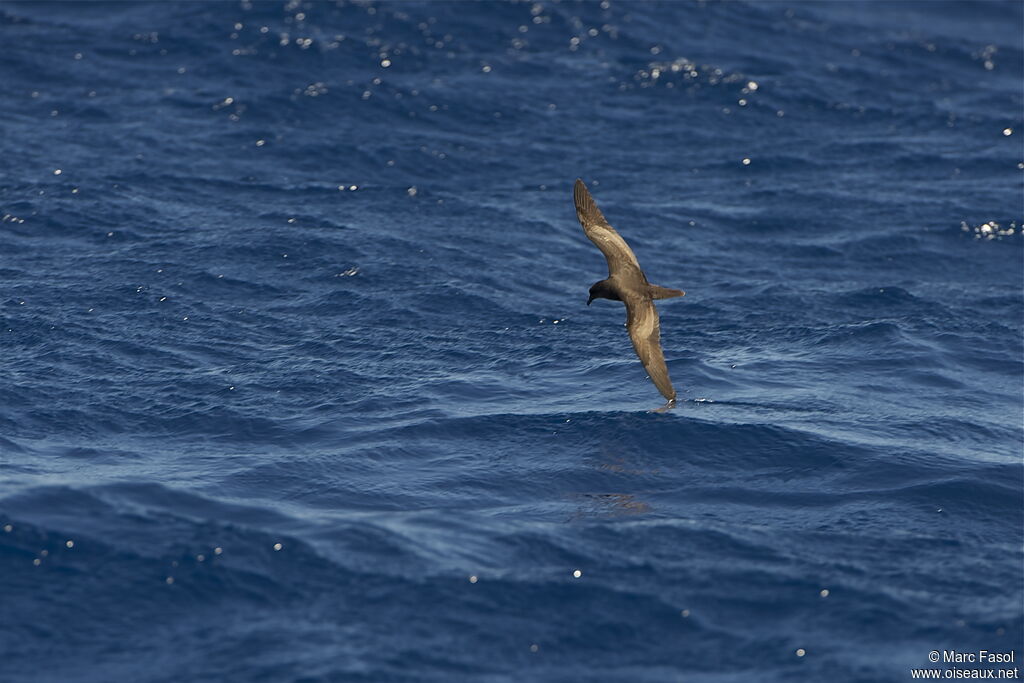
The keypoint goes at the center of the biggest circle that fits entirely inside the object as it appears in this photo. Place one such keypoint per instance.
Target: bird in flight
(628, 284)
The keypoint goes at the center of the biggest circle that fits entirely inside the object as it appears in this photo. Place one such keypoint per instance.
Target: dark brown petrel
(628, 284)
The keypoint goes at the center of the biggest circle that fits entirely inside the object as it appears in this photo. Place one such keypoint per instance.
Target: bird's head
(601, 290)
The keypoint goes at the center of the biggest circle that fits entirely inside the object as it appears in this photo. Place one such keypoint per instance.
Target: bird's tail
(657, 292)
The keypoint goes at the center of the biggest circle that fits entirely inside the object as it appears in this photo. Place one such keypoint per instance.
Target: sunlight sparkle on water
(990, 230)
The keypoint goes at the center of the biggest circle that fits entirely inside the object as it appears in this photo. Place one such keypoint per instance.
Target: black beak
(589, 300)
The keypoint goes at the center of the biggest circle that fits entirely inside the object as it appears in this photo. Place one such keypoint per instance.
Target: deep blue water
(298, 383)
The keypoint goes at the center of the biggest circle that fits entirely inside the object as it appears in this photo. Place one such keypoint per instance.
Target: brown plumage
(627, 283)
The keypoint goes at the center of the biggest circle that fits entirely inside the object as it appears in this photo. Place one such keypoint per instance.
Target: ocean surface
(298, 381)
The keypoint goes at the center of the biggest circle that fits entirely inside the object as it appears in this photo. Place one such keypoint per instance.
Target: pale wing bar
(645, 332)
(615, 250)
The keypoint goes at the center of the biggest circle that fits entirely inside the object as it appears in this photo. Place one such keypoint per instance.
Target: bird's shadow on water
(637, 452)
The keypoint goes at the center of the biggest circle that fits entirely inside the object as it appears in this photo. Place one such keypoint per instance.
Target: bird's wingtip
(669, 405)
(581, 195)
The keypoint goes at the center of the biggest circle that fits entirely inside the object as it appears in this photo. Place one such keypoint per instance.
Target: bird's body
(627, 283)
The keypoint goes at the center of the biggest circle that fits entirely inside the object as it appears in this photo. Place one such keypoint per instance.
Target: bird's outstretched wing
(645, 331)
(621, 259)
